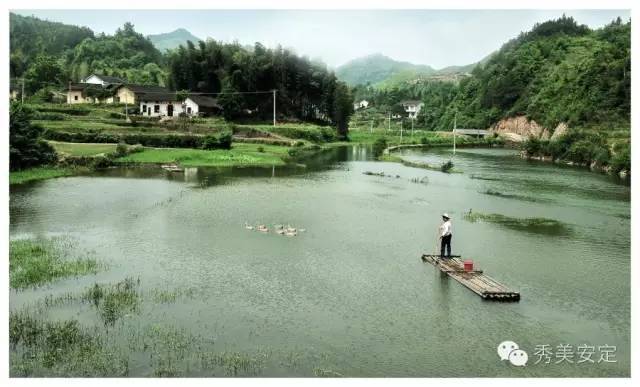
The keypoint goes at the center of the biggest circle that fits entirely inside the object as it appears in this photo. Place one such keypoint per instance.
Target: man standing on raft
(444, 233)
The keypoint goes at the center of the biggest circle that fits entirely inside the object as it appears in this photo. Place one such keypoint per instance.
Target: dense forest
(305, 90)
(559, 71)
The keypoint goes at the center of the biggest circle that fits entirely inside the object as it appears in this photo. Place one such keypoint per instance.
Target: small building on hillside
(168, 105)
(412, 108)
(89, 93)
(132, 94)
(102, 80)
(160, 105)
(361, 105)
(200, 105)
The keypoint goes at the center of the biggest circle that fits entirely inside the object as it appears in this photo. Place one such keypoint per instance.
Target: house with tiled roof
(170, 105)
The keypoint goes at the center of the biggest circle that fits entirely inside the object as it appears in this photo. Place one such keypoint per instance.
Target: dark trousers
(445, 242)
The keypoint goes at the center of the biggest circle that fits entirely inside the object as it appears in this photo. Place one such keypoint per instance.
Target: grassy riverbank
(39, 173)
(238, 155)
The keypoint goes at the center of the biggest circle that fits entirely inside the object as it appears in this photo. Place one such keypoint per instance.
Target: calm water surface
(351, 294)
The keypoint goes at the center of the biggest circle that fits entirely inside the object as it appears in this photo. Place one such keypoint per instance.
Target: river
(350, 295)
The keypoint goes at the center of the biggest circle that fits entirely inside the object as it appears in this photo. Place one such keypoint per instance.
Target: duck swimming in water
(248, 226)
(263, 228)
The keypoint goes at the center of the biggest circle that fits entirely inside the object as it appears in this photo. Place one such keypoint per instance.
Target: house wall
(124, 95)
(75, 96)
(162, 106)
(194, 107)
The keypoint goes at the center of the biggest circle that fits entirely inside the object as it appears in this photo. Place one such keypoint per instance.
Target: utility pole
(274, 107)
(412, 119)
(455, 117)
(401, 121)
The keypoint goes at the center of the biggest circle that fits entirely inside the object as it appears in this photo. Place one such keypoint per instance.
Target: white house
(200, 105)
(412, 108)
(161, 105)
(361, 105)
(102, 80)
(168, 105)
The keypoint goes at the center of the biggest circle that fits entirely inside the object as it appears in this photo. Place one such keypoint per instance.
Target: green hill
(171, 40)
(30, 37)
(377, 68)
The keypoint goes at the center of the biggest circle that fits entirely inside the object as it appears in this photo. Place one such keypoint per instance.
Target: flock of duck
(279, 229)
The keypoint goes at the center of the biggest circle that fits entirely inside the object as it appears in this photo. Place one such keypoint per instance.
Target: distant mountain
(171, 40)
(377, 68)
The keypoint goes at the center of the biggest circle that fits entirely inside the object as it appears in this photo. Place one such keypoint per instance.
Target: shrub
(261, 149)
(121, 150)
(26, 149)
(424, 140)
(621, 160)
(379, 146)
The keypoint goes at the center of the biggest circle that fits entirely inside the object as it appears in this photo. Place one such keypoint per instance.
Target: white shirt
(445, 228)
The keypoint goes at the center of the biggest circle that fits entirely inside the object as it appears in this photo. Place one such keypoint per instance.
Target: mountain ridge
(170, 40)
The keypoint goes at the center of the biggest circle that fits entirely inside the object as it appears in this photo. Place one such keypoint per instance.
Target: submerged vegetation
(60, 348)
(531, 225)
(35, 262)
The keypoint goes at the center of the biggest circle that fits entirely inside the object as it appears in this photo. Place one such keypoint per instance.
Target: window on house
(189, 110)
(144, 108)
(156, 108)
(75, 97)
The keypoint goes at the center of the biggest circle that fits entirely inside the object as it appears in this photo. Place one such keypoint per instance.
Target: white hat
(445, 215)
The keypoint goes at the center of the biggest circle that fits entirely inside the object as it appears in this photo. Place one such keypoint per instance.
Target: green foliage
(126, 54)
(44, 71)
(214, 141)
(379, 146)
(217, 141)
(30, 37)
(305, 90)
(26, 148)
(621, 160)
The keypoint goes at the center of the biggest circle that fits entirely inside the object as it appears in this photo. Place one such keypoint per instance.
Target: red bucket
(468, 265)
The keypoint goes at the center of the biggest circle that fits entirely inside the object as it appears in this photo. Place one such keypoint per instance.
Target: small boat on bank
(172, 167)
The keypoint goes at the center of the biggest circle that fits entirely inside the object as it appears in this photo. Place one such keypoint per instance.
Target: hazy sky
(435, 37)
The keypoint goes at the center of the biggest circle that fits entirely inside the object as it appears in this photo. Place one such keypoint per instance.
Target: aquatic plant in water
(532, 225)
(33, 262)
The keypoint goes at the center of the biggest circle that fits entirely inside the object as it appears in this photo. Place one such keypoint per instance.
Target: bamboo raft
(478, 282)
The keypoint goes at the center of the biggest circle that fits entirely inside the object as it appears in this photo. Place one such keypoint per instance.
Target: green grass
(82, 149)
(38, 173)
(238, 155)
(35, 262)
